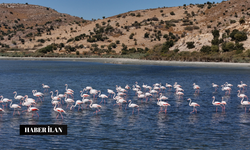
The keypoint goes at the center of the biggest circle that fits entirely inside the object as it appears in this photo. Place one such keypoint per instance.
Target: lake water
(114, 128)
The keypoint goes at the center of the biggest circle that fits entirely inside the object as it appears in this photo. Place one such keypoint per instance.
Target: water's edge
(128, 61)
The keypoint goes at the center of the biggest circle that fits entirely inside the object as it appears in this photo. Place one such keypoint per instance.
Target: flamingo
(127, 87)
(56, 98)
(55, 102)
(27, 104)
(193, 104)
(243, 84)
(38, 94)
(110, 92)
(46, 87)
(163, 97)
(226, 88)
(59, 110)
(88, 88)
(244, 103)
(241, 95)
(4, 100)
(96, 106)
(196, 87)
(68, 101)
(215, 86)
(163, 104)
(176, 85)
(102, 96)
(216, 103)
(169, 86)
(93, 92)
(179, 94)
(84, 101)
(68, 89)
(84, 95)
(79, 103)
(147, 95)
(141, 96)
(133, 106)
(15, 106)
(120, 101)
(29, 99)
(61, 96)
(223, 103)
(18, 97)
(33, 109)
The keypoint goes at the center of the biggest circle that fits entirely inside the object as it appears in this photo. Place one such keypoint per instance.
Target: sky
(96, 9)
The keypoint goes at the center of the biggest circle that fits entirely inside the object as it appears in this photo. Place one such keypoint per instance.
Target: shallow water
(114, 128)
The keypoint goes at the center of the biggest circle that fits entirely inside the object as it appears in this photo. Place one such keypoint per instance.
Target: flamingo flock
(118, 96)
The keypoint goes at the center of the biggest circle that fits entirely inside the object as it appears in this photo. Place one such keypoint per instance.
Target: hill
(160, 33)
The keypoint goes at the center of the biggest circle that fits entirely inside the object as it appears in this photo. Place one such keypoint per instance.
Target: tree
(190, 45)
(215, 48)
(242, 20)
(216, 33)
(205, 49)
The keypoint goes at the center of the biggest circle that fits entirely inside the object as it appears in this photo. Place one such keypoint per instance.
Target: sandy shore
(128, 61)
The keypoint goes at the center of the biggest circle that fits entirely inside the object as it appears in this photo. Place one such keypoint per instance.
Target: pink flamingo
(38, 94)
(96, 106)
(15, 106)
(68, 89)
(216, 103)
(84, 95)
(79, 103)
(193, 104)
(179, 94)
(59, 111)
(223, 103)
(215, 86)
(163, 104)
(169, 86)
(127, 87)
(141, 96)
(133, 106)
(54, 98)
(33, 109)
(68, 101)
(245, 103)
(241, 95)
(120, 101)
(196, 87)
(103, 96)
(46, 87)
(93, 92)
(4, 100)
(18, 97)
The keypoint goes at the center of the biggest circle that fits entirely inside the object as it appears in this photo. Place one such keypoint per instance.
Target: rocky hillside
(31, 28)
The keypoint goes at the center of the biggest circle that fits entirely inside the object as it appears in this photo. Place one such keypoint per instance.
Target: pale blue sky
(94, 9)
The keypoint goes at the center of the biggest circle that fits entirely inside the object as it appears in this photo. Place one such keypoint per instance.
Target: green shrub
(190, 45)
(172, 13)
(205, 49)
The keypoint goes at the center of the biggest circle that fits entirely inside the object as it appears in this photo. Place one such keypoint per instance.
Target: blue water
(114, 128)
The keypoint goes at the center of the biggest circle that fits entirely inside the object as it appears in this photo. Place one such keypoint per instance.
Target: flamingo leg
(57, 115)
(37, 114)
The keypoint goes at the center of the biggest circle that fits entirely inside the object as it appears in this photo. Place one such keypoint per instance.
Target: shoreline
(128, 61)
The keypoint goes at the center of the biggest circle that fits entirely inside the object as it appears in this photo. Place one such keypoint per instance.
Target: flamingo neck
(213, 99)
(11, 104)
(190, 102)
(15, 95)
(242, 100)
